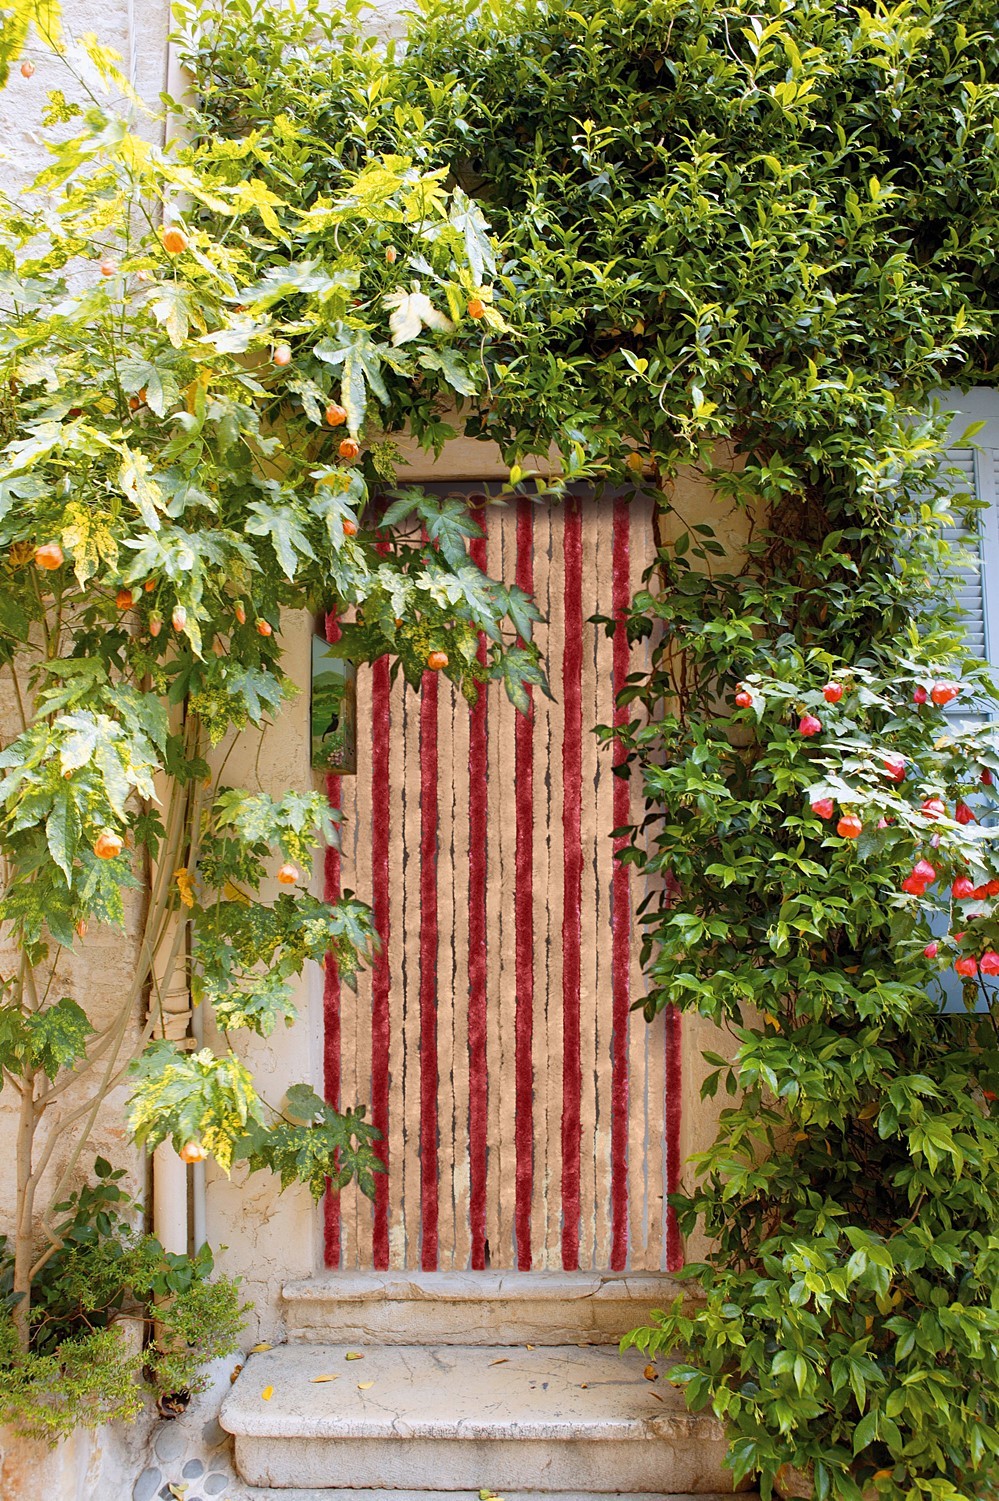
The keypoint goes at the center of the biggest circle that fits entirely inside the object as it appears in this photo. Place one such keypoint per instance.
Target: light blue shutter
(971, 576)
(978, 471)
(978, 581)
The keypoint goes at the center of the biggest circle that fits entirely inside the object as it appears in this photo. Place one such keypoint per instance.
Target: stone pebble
(147, 1485)
(215, 1485)
(213, 1434)
(193, 1470)
(170, 1442)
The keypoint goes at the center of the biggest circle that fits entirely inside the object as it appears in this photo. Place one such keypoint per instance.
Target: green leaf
(173, 305)
(62, 833)
(283, 526)
(456, 371)
(58, 1036)
(158, 381)
(359, 360)
(866, 1431)
(469, 220)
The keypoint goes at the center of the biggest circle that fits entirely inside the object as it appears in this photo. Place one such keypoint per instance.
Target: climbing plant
(195, 372)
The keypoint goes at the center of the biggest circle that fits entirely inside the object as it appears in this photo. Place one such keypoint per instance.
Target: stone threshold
(475, 1308)
(480, 1287)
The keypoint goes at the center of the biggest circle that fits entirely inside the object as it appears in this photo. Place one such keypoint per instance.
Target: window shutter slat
(969, 576)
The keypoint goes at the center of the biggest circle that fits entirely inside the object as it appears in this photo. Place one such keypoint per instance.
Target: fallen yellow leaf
(528, 1347)
(316, 1379)
(354, 1355)
(267, 1393)
(259, 1349)
(364, 1386)
(650, 1373)
(503, 1361)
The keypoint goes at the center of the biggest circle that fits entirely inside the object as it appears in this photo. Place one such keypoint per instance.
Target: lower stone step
(552, 1420)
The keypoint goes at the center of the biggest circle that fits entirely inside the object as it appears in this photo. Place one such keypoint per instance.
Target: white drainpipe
(172, 1016)
(199, 1188)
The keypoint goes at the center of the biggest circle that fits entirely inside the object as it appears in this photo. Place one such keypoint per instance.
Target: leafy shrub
(113, 1317)
(852, 1194)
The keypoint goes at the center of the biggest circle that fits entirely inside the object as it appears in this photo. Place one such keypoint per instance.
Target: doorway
(530, 1119)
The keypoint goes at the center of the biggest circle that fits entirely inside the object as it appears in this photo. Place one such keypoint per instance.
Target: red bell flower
(943, 692)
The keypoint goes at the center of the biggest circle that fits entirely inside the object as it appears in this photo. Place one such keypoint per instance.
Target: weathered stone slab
(456, 1418)
(470, 1308)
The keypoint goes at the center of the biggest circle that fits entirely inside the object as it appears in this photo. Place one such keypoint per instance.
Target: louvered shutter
(971, 576)
(976, 470)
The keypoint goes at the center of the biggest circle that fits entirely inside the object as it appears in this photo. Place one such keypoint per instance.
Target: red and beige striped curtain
(529, 1118)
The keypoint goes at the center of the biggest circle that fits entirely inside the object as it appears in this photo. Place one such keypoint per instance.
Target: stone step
(473, 1308)
(556, 1419)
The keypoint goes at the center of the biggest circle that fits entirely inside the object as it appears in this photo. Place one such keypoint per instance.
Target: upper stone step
(469, 1308)
(449, 1418)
